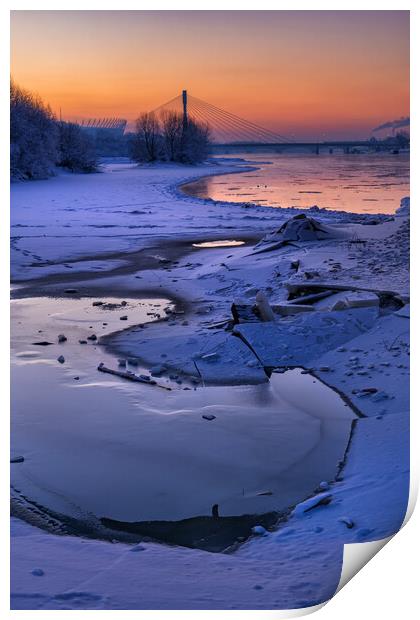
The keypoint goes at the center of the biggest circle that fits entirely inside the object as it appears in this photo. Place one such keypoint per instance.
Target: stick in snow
(130, 376)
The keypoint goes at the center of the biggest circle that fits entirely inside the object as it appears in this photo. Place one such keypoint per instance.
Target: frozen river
(370, 183)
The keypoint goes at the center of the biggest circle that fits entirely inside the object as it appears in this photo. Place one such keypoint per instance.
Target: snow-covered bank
(128, 232)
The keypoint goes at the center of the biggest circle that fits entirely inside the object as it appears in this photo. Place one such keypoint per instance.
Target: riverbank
(61, 228)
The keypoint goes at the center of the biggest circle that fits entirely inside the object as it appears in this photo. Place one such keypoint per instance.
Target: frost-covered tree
(76, 149)
(33, 136)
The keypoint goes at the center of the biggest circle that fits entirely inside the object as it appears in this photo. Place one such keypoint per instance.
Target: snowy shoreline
(351, 349)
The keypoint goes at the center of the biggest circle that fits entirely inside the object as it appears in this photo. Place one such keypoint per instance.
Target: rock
(62, 338)
(98, 303)
(208, 416)
(38, 572)
(76, 378)
(17, 459)
(299, 228)
(324, 486)
(123, 303)
(122, 362)
(133, 361)
(124, 317)
(61, 359)
(42, 343)
(348, 522)
(92, 337)
(82, 341)
(71, 291)
(259, 530)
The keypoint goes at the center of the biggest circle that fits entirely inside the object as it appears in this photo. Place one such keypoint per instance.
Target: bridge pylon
(184, 108)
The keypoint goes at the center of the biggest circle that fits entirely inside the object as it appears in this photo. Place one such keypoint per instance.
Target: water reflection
(371, 183)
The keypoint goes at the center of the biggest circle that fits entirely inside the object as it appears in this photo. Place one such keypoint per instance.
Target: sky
(310, 75)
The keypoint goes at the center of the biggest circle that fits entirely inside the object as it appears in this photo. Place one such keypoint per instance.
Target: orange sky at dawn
(306, 74)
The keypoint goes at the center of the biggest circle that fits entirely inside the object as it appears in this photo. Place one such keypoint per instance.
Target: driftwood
(130, 376)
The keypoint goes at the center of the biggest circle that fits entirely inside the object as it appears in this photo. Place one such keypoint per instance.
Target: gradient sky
(307, 74)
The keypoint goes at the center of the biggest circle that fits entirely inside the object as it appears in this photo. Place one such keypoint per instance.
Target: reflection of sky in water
(373, 183)
(97, 444)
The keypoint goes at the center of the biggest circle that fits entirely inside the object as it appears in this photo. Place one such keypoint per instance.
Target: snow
(128, 232)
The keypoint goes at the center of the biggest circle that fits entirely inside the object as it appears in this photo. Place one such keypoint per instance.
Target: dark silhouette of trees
(39, 143)
(172, 127)
(147, 141)
(168, 138)
(33, 136)
(76, 150)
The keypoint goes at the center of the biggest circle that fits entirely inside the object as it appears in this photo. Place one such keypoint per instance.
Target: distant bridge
(230, 132)
(225, 127)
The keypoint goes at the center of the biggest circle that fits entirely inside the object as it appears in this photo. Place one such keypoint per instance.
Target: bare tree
(172, 128)
(169, 138)
(147, 143)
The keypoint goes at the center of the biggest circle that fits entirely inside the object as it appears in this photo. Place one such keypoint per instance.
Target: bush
(33, 136)
(76, 149)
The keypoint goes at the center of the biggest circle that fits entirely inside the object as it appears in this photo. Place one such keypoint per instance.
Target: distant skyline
(311, 75)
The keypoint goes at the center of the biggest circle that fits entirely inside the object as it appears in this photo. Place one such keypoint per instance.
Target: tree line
(39, 141)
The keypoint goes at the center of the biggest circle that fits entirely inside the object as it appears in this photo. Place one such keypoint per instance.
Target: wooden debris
(130, 376)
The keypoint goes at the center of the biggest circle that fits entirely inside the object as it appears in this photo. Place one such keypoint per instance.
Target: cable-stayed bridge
(229, 130)
(225, 127)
